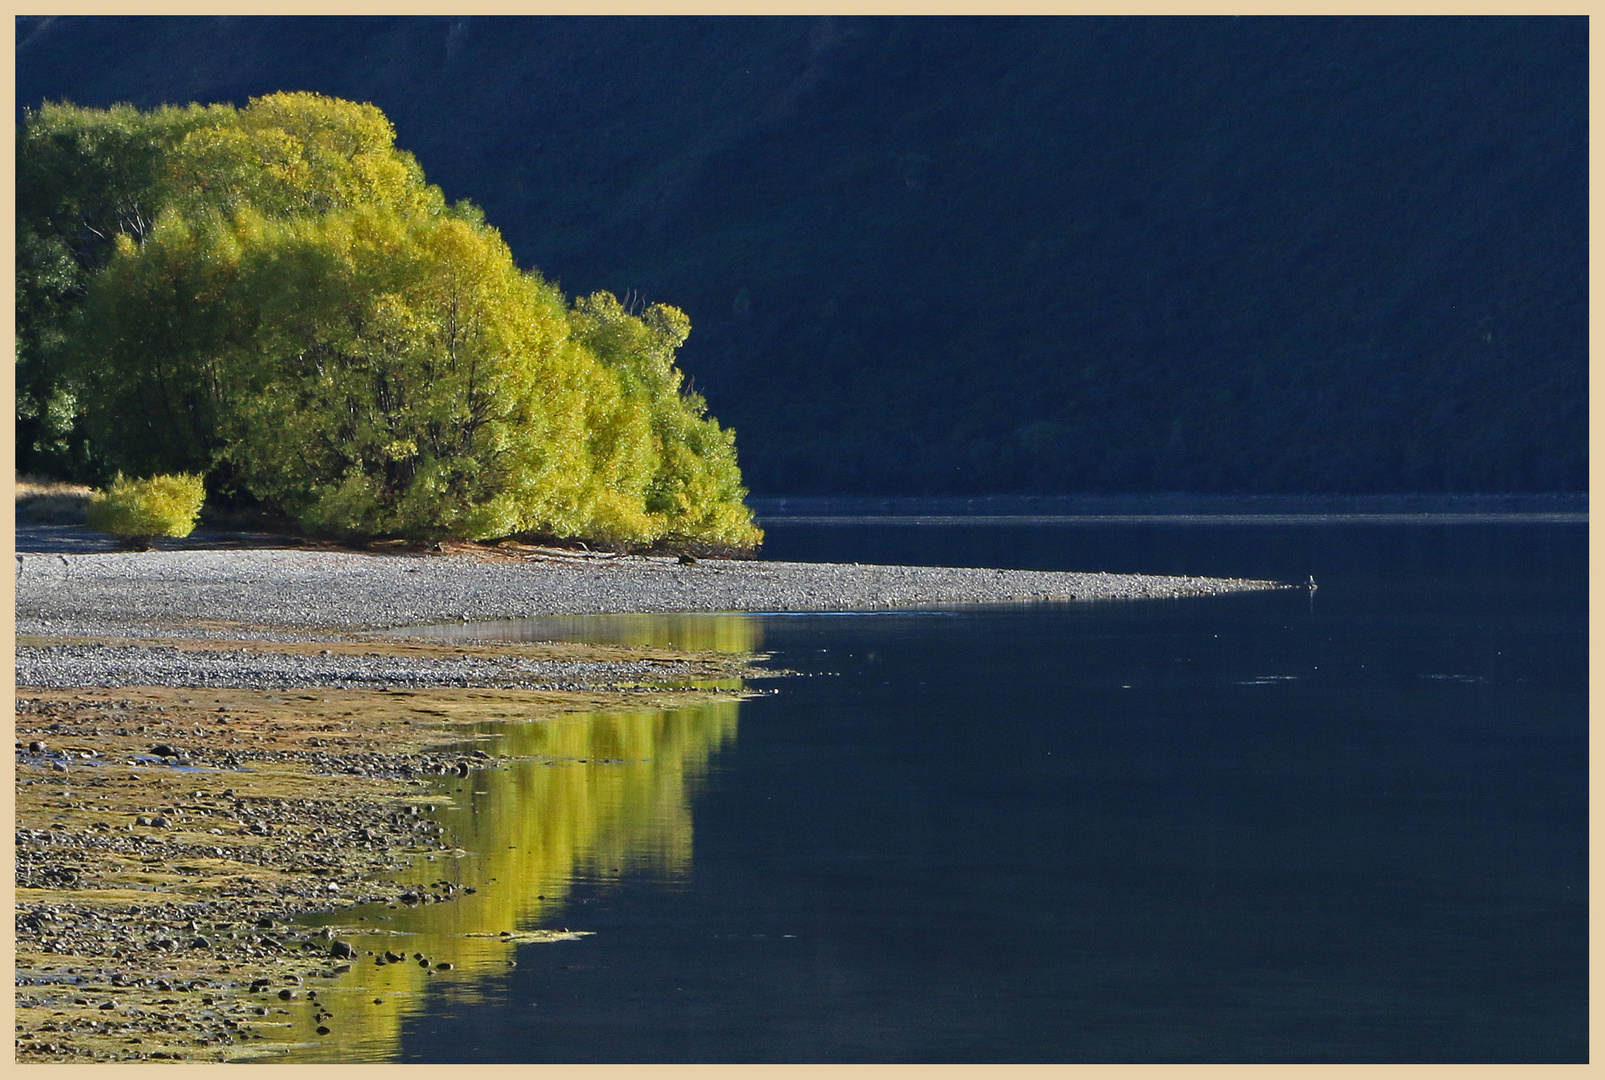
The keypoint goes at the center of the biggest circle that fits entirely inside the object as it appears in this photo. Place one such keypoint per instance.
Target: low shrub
(160, 506)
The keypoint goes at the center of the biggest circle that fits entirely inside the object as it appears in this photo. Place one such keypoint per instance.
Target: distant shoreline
(1016, 520)
(1180, 506)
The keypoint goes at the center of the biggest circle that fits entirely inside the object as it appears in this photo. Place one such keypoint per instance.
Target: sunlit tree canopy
(275, 297)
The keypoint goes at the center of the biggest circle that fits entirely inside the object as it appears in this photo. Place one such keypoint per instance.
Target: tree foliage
(275, 296)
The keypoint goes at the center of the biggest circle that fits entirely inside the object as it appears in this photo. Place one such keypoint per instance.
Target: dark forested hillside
(953, 256)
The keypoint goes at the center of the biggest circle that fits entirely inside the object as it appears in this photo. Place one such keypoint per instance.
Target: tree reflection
(585, 798)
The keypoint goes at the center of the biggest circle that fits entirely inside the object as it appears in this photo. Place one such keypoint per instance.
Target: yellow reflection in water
(689, 631)
(593, 796)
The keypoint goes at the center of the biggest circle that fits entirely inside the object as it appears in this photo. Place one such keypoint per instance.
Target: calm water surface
(1342, 826)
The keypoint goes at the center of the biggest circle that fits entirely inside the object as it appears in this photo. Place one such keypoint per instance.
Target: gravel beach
(64, 589)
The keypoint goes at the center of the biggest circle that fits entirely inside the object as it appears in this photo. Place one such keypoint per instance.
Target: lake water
(1340, 826)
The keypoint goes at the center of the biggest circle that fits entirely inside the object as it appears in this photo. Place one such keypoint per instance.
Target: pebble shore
(260, 667)
(181, 591)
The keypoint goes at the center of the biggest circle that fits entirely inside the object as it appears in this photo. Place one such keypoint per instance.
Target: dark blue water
(1340, 827)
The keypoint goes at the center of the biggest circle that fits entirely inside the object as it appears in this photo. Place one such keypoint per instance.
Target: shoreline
(215, 736)
(209, 591)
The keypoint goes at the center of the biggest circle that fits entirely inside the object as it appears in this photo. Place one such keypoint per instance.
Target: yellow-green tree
(152, 345)
(300, 313)
(407, 379)
(294, 154)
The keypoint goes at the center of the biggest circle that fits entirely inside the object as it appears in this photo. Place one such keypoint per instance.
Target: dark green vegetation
(969, 256)
(275, 297)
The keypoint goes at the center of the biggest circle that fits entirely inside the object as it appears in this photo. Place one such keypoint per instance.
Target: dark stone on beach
(200, 943)
(163, 750)
(342, 950)
(286, 994)
(322, 1030)
(36, 747)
